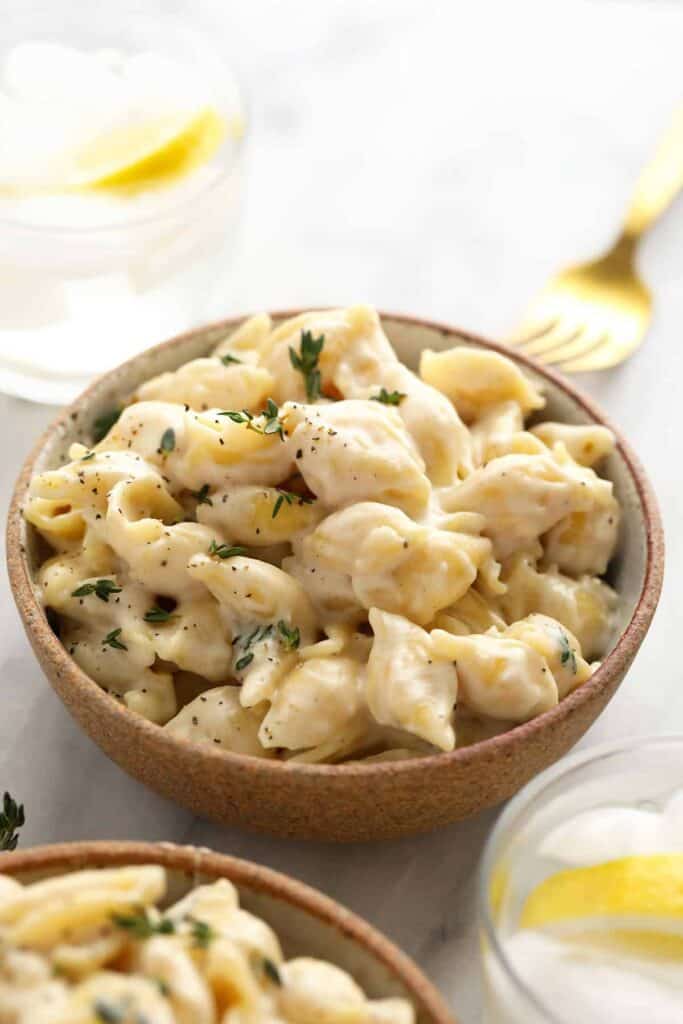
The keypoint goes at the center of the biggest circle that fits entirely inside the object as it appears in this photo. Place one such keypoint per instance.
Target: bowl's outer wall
(306, 922)
(353, 802)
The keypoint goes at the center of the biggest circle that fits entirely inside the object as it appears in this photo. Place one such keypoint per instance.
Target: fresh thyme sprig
(227, 359)
(112, 640)
(290, 497)
(568, 654)
(88, 457)
(11, 819)
(167, 443)
(225, 550)
(271, 422)
(388, 397)
(290, 638)
(270, 969)
(306, 362)
(142, 925)
(104, 423)
(202, 495)
(102, 589)
(202, 932)
(157, 614)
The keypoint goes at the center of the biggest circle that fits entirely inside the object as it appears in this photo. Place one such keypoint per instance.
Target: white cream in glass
(120, 188)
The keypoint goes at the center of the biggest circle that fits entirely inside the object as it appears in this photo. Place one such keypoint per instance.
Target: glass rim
(168, 212)
(527, 795)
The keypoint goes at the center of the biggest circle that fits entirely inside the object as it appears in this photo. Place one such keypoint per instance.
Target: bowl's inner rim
(110, 384)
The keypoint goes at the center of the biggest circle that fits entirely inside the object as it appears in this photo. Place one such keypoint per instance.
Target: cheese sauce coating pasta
(336, 558)
(96, 947)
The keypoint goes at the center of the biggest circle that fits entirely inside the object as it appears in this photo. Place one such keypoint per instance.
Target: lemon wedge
(148, 153)
(635, 902)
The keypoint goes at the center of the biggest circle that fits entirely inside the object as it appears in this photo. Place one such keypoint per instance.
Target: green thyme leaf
(157, 614)
(202, 933)
(167, 443)
(11, 819)
(108, 1012)
(104, 423)
(227, 359)
(271, 971)
(237, 417)
(141, 926)
(568, 654)
(202, 495)
(306, 362)
(243, 662)
(289, 637)
(271, 421)
(225, 550)
(112, 640)
(388, 397)
(86, 458)
(102, 589)
(290, 497)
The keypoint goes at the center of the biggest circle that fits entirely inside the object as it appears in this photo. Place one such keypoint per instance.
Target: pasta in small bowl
(126, 933)
(334, 575)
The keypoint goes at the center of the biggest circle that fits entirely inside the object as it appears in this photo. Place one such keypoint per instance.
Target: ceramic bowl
(306, 922)
(341, 802)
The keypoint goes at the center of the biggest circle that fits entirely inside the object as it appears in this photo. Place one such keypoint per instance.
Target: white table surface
(440, 159)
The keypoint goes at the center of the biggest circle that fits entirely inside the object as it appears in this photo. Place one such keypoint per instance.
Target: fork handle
(659, 183)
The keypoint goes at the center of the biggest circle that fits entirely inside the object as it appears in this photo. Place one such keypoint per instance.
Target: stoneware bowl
(306, 922)
(348, 802)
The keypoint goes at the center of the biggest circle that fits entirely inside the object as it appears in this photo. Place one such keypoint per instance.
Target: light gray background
(439, 159)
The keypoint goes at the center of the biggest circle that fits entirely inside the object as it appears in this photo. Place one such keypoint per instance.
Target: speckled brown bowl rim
(617, 661)
(191, 860)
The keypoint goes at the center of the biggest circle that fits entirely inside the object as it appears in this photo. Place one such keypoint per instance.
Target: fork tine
(584, 340)
(602, 356)
(530, 330)
(561, 334)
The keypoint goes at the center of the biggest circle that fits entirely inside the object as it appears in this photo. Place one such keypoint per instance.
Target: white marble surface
(441, 159)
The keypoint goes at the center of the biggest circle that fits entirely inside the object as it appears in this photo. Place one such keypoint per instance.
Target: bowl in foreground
(307, 922)
(353, 801)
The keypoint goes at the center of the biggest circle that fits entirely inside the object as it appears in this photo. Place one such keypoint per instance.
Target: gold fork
(594, 315)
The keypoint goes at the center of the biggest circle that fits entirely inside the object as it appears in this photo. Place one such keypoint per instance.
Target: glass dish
(636, 775)
(90, 281)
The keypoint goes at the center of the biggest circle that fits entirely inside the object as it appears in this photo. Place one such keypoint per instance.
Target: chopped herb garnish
(11, 819)
(227, 359)
(163, 986)
(112, 640)
(157, 614)
(167, 443)
(141, 925)
(202, 495)
(290, 497)
(107, 1012)
(388, 397)
(86, 458)
(306, 362)
(243, 662)
(271, 424)
(289, 637)
(225, 550)
(102, 589)
(271, 971)
(202, 933)
(104, 423)
(568, 654)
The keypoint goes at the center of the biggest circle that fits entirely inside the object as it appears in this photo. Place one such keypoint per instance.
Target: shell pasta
(297, 548)
(102, 947)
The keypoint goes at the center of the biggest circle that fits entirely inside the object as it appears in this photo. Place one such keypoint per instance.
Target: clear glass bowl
(83, 293)
(638, 773)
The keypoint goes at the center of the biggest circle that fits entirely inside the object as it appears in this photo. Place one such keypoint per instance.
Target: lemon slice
(148, 153)
(634, 902)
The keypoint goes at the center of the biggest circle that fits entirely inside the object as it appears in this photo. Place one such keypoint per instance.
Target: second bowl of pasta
(334, 574)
